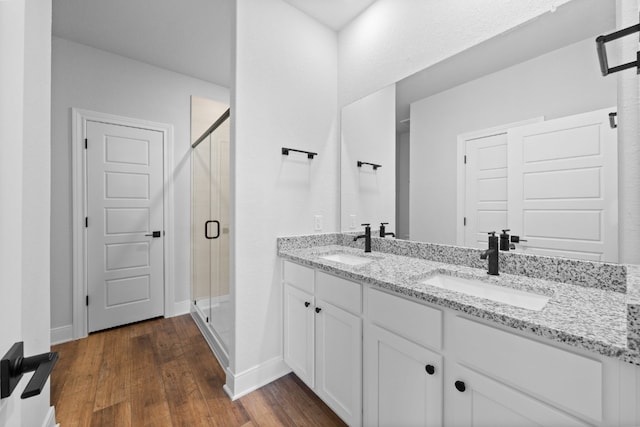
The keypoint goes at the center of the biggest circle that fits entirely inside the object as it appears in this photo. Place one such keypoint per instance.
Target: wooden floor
(162, 373)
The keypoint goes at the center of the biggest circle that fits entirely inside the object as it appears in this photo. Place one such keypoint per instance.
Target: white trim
(211, 337)
(460, 169)
(79, 118)
(50, 419)
(61, 334)
(253, 378)
(180, 308)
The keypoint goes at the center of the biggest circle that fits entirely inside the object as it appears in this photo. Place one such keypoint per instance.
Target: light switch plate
(317, 225)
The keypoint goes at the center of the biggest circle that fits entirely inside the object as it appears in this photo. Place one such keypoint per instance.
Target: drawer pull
(307, 303)
(460, 386)
(430, 369)
(318, 309)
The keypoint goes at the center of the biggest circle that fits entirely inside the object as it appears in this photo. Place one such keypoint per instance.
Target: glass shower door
(210, 232)
(218, 235)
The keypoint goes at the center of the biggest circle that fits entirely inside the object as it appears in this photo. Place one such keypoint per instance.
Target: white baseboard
(252, 379)
(180, 308)
(50, 419)
(61, 334)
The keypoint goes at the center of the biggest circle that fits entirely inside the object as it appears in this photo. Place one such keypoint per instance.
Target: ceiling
(570, 23)
(191, 37)
(335, 14)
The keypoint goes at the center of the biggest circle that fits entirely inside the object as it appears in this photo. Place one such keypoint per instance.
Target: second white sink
(348, 259)
(486, 290)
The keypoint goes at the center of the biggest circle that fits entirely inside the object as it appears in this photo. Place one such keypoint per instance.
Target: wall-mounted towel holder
(602, 51)
(310, 155)
(375, 166)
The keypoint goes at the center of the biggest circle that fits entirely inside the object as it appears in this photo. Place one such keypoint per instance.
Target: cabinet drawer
(339, 292)
(298, 276)
(411, 320)
(566, 380)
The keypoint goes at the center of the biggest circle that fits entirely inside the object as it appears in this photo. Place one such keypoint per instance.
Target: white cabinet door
(299, 333)
(476, 400)
(402, 381)
(339, 361)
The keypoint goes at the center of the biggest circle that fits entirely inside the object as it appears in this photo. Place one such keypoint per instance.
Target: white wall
(393, 39)
(561, 83)
(285, 71)
(96, 80)
(629, 138)
(403, 176)
(368, 131)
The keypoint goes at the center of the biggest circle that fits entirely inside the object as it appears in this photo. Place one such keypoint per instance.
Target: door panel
(563, 187)
(124, 205)
(299, 333)
(486, 188)
(488, 403)
(398, 389)
(339, 361)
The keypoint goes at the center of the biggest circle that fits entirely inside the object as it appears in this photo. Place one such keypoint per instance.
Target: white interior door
(486, 188)
(11, 188)
(563, 187)
(125, 207)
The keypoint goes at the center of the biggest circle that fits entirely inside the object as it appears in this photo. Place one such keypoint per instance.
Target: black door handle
(13, 365)
(206, 229)
(307, 303)
(430, 369)
(460, 386)
(318, 309)
(154, 234)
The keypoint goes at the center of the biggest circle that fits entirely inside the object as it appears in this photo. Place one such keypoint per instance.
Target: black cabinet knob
(460, 386)
(318, 309)
(307, 303)
(430, 369)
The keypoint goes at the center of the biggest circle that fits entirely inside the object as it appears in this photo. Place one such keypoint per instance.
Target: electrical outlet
(352, 221)
(317, 223)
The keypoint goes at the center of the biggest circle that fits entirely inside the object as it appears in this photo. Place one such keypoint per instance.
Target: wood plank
(149, 406)
(114, 376)
(77, 399)
(186, 403)
(162, 373)
(115, 415)
(67, 358)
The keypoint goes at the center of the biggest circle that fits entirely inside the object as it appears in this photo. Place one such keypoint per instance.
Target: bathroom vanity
(419, 334)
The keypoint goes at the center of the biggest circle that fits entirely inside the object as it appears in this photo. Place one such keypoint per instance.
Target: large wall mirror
(529, 113)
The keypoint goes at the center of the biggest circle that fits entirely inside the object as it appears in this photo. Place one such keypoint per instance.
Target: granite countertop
(589, 318)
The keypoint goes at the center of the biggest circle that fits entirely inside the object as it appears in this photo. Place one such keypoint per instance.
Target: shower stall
(210, 303)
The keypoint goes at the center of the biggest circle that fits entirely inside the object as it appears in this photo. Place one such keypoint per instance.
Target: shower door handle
(206, 229)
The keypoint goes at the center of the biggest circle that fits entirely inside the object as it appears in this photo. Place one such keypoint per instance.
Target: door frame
(461, 172)
(79, 119)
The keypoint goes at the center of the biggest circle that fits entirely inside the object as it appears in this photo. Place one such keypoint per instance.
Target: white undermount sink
(478, 288)
(347, 259)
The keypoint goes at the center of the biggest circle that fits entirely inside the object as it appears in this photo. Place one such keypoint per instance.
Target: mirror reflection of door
(552, 183)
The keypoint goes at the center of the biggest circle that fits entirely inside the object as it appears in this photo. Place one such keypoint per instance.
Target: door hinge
(464, 221)
(465, 159)
(207, 321)
(87, 301)
(612, 120)
(86, 143)
(86, 221)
